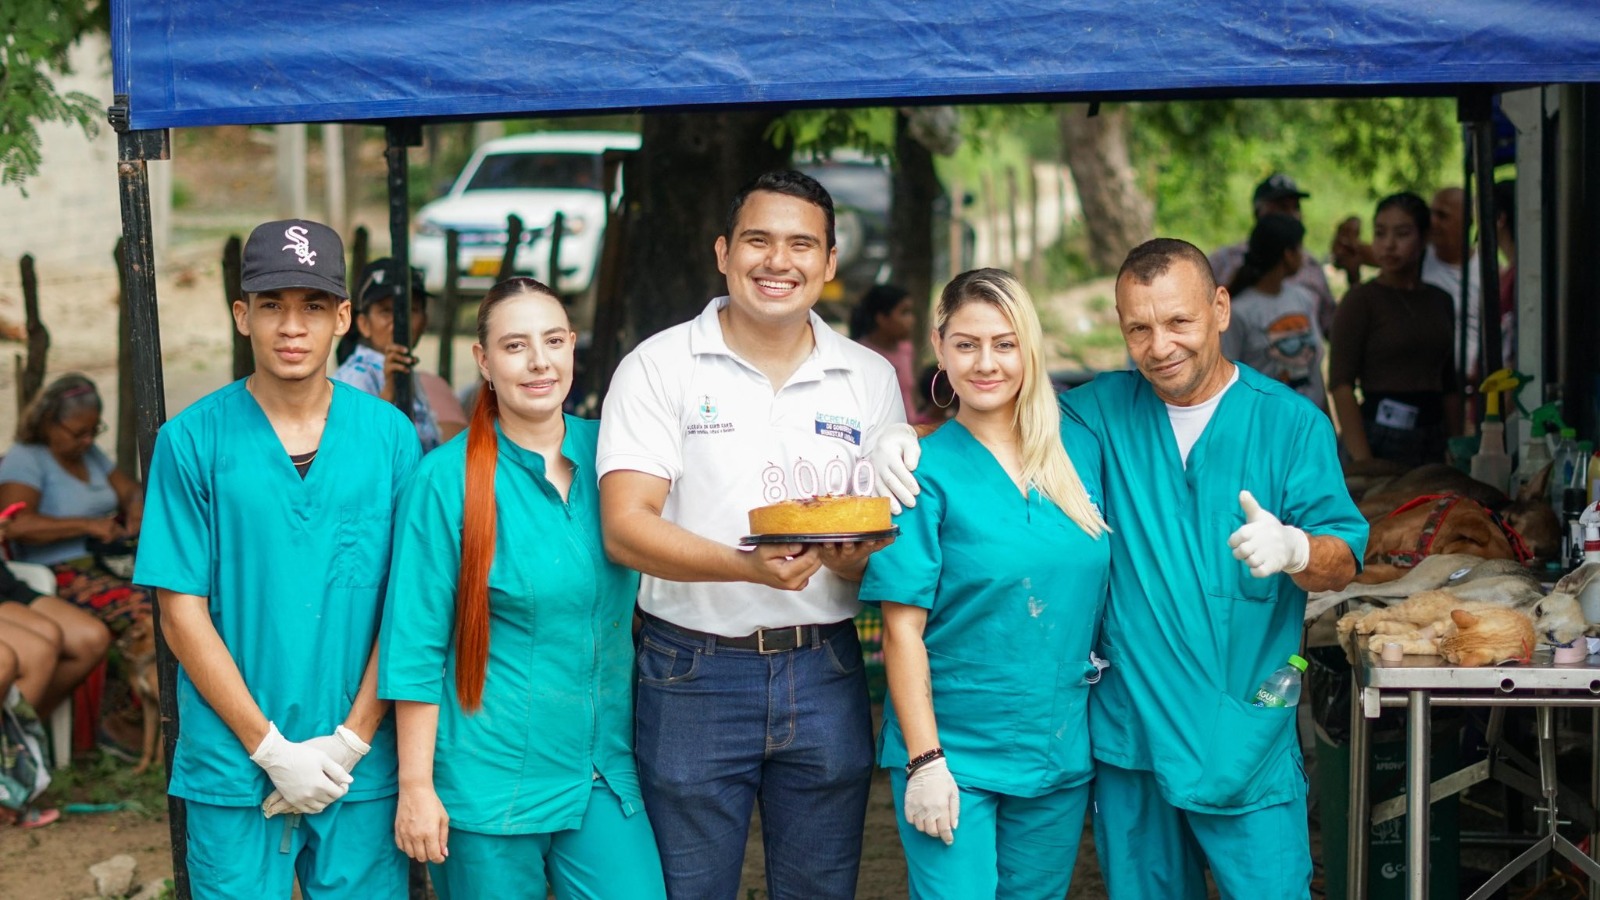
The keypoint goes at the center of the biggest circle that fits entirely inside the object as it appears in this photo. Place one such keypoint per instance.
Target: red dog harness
(1442, 504)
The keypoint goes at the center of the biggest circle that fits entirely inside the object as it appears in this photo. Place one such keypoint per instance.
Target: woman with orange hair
(507, 640)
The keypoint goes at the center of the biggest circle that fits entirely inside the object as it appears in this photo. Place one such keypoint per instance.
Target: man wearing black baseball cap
(369, 358)
(1280, 194)
(266, 536)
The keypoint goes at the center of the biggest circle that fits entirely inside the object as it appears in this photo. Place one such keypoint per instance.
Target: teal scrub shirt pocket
(967, 692)
(1248, 755)
(1226, 576)
(362, 547)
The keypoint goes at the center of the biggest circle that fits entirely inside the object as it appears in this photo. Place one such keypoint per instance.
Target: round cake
(822, 515)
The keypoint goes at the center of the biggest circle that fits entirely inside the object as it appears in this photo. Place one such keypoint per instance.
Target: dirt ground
(52, 863)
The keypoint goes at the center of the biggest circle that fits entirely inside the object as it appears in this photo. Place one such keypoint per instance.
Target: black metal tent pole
(134, 151)
(401, 135)
(1488, 246)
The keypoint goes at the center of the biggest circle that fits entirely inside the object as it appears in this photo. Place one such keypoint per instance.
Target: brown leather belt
(766, 640)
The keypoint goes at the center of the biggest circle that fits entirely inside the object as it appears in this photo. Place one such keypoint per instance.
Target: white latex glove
(344, 747)
(894, 456)
(933, 802)
(1267, 545)
(307, 777)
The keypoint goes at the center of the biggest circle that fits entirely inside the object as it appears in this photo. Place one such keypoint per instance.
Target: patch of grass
(104, 779)
(1099, 304)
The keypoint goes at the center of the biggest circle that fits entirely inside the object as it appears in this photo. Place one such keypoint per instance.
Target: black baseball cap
(1278, 186)
(377, 283)
(294, 253)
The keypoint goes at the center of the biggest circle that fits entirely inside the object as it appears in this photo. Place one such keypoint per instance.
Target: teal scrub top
(293, 570)
(1014, 591)
(557, 702)
(1189, 632)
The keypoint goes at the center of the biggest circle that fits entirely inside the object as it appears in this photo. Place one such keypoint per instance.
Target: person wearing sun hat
(1280, 194)
(266, 536)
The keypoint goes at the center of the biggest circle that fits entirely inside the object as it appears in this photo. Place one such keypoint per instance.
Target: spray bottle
(1491, 465)
(1589, 597)
(1536, 455)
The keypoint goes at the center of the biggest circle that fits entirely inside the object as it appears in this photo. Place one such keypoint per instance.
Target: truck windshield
(513, 171)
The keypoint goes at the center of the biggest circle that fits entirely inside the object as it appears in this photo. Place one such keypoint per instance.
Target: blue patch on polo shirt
(840, 427)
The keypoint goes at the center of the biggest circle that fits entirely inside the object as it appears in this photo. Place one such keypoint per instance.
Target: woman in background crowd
(1393, 337)
(1274, 328)
(883, 321)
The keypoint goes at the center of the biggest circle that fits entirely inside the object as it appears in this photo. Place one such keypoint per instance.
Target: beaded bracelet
(924, 759)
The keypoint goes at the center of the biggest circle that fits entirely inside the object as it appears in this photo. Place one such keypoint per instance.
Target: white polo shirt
(684, 407)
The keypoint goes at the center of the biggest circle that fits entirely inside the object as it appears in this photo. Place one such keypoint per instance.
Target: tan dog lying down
(1504, 614)
(1462, 574)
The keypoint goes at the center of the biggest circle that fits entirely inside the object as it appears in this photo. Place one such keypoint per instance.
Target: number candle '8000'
(837, 478)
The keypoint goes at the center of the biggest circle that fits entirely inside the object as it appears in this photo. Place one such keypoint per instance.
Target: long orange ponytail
(478, 516)
(477, 552)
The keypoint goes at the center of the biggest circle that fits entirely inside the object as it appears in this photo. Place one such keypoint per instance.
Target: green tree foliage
(35, 36)
(1201, 159)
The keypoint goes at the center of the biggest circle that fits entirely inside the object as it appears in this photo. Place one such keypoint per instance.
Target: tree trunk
(689, 167)
(915, 193)
(1116, 212)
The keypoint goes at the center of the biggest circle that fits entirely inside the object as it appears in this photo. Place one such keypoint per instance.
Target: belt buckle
(761, 639)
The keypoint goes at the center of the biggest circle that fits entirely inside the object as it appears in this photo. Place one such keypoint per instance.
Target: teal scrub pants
(345, 851)
(1151, 850)
(1005, 847)
(611, 856)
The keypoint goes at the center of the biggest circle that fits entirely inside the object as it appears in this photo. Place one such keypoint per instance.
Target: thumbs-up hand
(1267, 545)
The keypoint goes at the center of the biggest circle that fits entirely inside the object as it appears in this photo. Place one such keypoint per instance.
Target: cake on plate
(822, 515)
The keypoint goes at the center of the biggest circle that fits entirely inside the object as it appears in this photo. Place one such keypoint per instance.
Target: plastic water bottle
(1282, 688)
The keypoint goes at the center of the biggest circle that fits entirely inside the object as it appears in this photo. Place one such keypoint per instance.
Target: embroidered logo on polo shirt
(845, 428)
(707, 408)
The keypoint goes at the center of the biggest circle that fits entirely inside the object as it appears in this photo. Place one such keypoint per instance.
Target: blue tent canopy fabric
(199, 62)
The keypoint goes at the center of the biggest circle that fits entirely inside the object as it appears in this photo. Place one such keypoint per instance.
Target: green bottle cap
(1297, 662)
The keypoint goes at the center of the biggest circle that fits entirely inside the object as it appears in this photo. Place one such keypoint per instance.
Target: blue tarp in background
(193, 62)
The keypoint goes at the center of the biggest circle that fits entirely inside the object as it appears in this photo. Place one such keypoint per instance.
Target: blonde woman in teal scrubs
(991, 598)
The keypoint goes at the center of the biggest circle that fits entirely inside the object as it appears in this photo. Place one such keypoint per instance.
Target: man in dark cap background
(1280, 194)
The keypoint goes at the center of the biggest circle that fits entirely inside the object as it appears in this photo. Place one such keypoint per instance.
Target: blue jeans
(719, 729)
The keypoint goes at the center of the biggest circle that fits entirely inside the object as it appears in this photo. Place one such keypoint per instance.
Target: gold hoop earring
(933, 389)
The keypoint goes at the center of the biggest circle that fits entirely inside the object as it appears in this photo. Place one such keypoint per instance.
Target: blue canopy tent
(187, 63)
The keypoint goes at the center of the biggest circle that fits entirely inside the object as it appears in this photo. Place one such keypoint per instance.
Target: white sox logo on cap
(301, 245)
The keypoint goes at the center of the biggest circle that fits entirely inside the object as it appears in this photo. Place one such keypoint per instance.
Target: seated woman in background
(1393, 337)
(1274, 328)
(78, 503)
(369, 358)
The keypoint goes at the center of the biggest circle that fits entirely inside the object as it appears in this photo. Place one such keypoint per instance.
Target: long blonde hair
(1037, 419)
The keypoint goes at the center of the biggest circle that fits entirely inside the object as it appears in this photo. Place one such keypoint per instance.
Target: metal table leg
(1594, 795)
(1359, 827)
(1418, 758)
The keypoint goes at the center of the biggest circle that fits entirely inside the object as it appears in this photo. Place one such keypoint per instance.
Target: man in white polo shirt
(750, 676)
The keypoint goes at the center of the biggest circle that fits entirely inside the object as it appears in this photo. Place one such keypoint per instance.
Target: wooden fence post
(233, 289)
(449, 306)
(30, 373)
(127, 422)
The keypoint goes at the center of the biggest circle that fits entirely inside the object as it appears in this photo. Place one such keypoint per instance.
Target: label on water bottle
(1266, 698)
